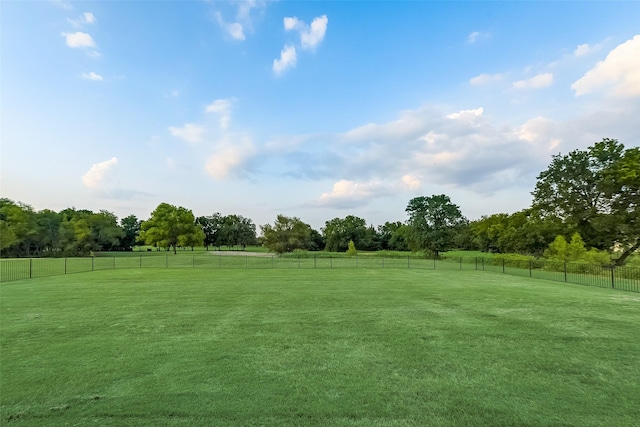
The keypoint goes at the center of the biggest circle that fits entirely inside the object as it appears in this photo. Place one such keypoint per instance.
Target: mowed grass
(324, 347)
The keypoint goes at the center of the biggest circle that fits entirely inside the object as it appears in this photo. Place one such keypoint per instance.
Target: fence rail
(623, 278)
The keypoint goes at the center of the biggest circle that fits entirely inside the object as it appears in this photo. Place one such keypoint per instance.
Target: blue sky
(310, 109)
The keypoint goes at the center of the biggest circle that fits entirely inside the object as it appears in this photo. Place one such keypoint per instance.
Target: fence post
(314, 260)
(92, 266)
(565, 271)
(114, 263)
(330, 261)
(30, 268)
(140, 261)
(613, 280)
(476, 259)
(434, 261)
(530, 267)
(482, 263)
(65, 265)
(272, 263)
(408, 265)
(460, 263)
(219, 260)
(502, 265)
(298, 261)
(166, 261)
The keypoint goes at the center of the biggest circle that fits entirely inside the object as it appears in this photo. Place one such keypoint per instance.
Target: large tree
(131, 232)
(171, 226)
(339, 231)
(287, 234)
(597, 192)
(434, 222)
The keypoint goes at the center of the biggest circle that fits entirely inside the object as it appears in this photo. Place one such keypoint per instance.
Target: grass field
(324, 347)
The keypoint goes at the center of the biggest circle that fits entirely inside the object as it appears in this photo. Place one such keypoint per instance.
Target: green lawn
(355, 347)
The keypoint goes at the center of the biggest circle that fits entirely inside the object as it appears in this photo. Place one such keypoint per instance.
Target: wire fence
(623, 278)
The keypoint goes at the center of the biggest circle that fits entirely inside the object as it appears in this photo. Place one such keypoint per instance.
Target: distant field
(292, 347)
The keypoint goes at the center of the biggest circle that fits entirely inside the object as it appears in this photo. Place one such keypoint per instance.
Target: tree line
(588, 199)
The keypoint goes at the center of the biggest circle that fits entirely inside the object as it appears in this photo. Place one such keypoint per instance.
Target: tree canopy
(434, 222)
(596, 192)
(171, 226)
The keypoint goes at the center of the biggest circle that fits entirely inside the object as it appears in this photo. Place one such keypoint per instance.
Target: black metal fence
(623, 278)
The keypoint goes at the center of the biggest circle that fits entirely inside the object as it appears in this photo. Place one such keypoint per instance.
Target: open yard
(355, 347)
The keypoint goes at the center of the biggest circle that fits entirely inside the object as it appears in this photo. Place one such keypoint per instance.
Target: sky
(306, 108)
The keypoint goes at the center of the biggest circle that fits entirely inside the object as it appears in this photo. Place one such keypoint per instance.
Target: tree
(433, 221)
(169, 226)
(338, 232)
(237, 230)
(287, 234)
(105, 231)
(597, 192)
(131, 232)
(351, 251)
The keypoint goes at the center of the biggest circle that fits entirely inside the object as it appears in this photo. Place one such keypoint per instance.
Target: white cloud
(92, 76)
(89, 18)
(477, 36)
(79, 39)
(230, 158)
(582, 49)
(310, 36)
(222, 107)
(535, 82)
(190, 132)
(539, 131)
(484, 79)
(466, 114)
(234, 29)
(100, 174)
(619, 72)
(287, 60)
(349, 194)
(85, 18)
(411, 182)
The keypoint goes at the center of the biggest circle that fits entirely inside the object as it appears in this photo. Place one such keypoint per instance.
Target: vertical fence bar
(314, 260)
(408, 264)
(460, 263)
(140, 261)
(65, 265)
(114, 263)
(30, 268)
(565, 271)
(482, 263)
(330, 262)
(476, 260)
(166, 261)
(219, 260)
(530, 267)
(434, 262)
(502, 265)
(613, 279)
(272, 264)
(246, 261)
(92, 263)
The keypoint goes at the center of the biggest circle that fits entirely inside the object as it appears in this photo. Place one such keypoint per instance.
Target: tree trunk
(620, 261)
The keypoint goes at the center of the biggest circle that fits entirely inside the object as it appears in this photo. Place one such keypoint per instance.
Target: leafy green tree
(105, 231)
(434, 222)
(237, 230)
(597, 192)
(287, 234)
(130, 232)
(169, 226)
(351, 250)
(339, 231)
(48, 226)
(20, 227)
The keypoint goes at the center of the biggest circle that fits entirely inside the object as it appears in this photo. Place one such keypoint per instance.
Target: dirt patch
(241, 253)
